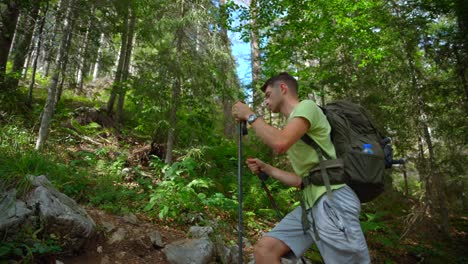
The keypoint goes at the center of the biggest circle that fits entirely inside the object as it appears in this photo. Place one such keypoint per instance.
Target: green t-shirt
(302, 156)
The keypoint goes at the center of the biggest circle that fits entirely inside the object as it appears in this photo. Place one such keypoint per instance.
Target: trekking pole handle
(244, 128)
(263, 176)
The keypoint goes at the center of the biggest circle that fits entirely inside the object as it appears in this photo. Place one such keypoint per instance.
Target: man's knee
(269, 246)
(262, 247)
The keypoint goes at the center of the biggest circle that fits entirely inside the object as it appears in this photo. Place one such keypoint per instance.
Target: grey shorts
(340, 238)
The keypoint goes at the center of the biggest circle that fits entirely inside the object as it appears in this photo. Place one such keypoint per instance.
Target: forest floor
(134, 248)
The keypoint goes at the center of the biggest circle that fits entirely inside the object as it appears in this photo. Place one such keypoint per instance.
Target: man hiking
(333, 225)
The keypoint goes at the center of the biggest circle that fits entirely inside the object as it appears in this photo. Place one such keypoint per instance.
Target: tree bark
(38, 48)
(82, 67)
(405, 177)
(21, 25)
(31, 49)
(118, 73)
(8, 20)
(49, 47)
(98, 58)
(176, 89)
(49, 107)
(126, 68)
(24, 42)
(228, 120)
(464, 198)
(436, 180)
(461, 10)
(65, 58)
(255, 55)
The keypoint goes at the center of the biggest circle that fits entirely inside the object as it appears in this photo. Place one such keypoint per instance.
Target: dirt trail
(135, 247)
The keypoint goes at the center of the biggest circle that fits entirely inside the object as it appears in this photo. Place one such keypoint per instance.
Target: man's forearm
(287, 178)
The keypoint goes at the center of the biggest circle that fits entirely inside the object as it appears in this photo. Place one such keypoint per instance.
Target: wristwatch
(252, 118)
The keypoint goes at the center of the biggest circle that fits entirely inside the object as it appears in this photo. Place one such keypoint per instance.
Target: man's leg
(286, 239)
(269, 250)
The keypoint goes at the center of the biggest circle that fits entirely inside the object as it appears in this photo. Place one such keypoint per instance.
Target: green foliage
(12, 102)
(372, 222)
(181, 194)
(40, 80)
(17, 167)
(415, 187)
(115, 198)
(14, 137)
(116, 166)
(19, 161)
(158, 166)
(89, 129)
(29, 245)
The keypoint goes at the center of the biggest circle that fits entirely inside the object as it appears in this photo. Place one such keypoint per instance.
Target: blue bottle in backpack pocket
(367, 148)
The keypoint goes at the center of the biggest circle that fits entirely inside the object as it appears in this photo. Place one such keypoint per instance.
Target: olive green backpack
(351, 129)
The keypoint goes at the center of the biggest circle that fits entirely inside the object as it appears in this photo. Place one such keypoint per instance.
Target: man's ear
(284, 88)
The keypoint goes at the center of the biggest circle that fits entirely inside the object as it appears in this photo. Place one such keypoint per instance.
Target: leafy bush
(372, 221)
(181, 194)
(29, 246)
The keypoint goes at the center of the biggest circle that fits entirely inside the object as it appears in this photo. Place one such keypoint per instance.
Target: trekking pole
(263, 177)
(242, 131)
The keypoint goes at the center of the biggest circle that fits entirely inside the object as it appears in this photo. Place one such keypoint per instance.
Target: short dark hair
(283, 77)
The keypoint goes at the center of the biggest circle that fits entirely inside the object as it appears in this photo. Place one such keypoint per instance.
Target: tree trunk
(228, 120)
(31, 49)
(14, 41)
(435, 179)
(405, 177)
(461, 10)
(39, 44)
(464, 198)
(126, 68)
(176, 89)
(51, 96)
(229, 124)
(118, 73)
(8, 19)
(255, 56)
(20, 30)
(24, 42)
(49, 47)
(82, 67)
(98, 58)
(65, 58)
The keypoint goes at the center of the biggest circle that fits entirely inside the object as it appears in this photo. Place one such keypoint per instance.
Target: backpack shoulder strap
(309, 141)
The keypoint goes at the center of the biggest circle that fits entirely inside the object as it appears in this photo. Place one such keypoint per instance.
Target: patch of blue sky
(241, 53)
